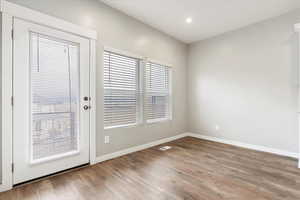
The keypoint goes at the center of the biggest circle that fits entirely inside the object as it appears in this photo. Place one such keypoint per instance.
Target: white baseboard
(4, 188)
(138, 148)
(204, 137)
(245, 145)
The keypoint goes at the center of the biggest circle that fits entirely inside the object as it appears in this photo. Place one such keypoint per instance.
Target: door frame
(297, 30)
(8, 12)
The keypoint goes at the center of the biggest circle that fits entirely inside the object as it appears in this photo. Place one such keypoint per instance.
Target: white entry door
(51, 101)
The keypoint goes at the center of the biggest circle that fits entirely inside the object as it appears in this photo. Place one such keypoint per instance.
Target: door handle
(86, 107)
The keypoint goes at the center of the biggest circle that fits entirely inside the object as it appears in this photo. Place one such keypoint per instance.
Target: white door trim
(8, 11)
(6, 110)
(93, 102)
(297, 29)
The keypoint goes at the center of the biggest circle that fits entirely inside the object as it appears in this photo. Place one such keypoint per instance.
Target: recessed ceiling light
(189, 20)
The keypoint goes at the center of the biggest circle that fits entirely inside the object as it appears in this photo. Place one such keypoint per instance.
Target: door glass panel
(55, 97)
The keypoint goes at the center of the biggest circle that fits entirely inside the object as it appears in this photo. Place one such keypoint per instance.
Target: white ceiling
(210, 17)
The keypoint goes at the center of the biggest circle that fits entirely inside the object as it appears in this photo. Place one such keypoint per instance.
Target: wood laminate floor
(192, 169)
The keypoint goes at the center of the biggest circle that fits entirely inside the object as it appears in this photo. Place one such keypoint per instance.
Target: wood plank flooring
(192, 169)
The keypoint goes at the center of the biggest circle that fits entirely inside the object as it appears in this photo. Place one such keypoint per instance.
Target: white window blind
(157, 92)
(120, 90)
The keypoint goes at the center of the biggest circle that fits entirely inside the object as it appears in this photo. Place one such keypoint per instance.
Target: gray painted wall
(121, 32)
(245, 82)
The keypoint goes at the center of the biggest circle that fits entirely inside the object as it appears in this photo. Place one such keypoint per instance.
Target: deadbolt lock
(86, 98)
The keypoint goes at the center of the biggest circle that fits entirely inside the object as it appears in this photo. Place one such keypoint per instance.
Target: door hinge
(12, 101)
(12, 167)
(12, 33)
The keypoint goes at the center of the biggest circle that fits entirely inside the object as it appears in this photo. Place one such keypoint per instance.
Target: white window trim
(143, 61)
(171, 94)
(54, 157)
(152, 121)
(170, 117)
(158, 62)
(124, 53)
(130, 55)
(121, 126)
(9, 11)
(141, 90)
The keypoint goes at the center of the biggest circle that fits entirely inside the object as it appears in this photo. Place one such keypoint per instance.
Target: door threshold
(51, 175)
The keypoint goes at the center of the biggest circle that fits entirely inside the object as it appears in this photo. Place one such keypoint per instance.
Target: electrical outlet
(106, 139)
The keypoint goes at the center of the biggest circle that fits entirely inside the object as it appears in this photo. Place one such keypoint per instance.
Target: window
(157, 93)
(120, 90)
(54, 96)
(134, 92)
